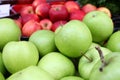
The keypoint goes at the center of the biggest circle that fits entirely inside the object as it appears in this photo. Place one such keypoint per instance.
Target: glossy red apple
(89, 7)
(30, 27)
(57, 24)
(105, 9)
(58, 12)
(46, 24)
(27, 10)
(43, 10)
(71, 5)
(38, 2)
(77, 15)
(27, 17)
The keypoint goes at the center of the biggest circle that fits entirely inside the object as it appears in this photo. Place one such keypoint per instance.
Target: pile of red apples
(43, 15)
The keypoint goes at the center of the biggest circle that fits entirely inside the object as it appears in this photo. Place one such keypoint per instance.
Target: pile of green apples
(79, 50)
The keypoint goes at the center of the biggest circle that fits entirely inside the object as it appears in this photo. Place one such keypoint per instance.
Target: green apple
(93, 45)
(31, 73)
(2, 76)
(9, 31)
(2, 66)
(100, 25)
(57, 65)
(88, 60)
(113, 42)
(19, 55)
(73, 39)
(71, 78)
(110, 70)
(44, 41)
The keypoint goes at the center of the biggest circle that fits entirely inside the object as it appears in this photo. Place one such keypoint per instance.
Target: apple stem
(101, 58)
(87, 58)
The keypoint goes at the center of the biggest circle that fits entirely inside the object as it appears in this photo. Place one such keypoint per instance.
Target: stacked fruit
(81, 49)
(43, 15)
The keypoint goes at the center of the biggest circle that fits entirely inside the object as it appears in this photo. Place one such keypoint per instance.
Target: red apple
(46, 24)
(43, 10)
(57, 24)
(37, 2)
(72, 5)
(16, 8)
(77, 15)
(105, 9)
(24, 1)
(27, 10)
(88, 8)
(27, 17)
(58, 12)
(30, 27)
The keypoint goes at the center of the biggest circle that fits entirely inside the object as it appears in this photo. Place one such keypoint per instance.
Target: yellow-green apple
(2, 66)
(77, 15)
(31, 73)
(30, 27)
(43, 39)
(88, 61)
(58, 24)
(43, 10)
(9, 31)
(88, 8)
(71, 78)
(106, 10)
(37, 2)
(113, 42)
(46, 24)
(107, 68)
(73, 39)
(2, 76)
(18, 55)
(52, 62)
(58, 12)
(71, 6)
(100, 25)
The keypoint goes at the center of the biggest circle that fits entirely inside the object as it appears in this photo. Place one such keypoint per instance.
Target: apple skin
(27, 17)
(19, 55)
(75, 6)
(57, 24)
(106, 10)
(85, 66)
(2, 66)
(2, 76)
(46, 24)
(88, 8)
(43, 10)
(98, 22)
(110, 71)
(58, 12)
(77, 15)
(44, 41)
(52, 62)
(30, 27)
(18, 22)
(9, 31)
(37, 2)
(113, 42)
(66, 36)
(71, 78)
(31, 73)
(27, 10)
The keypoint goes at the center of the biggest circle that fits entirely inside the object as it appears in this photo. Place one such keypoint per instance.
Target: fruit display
(52, 40)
